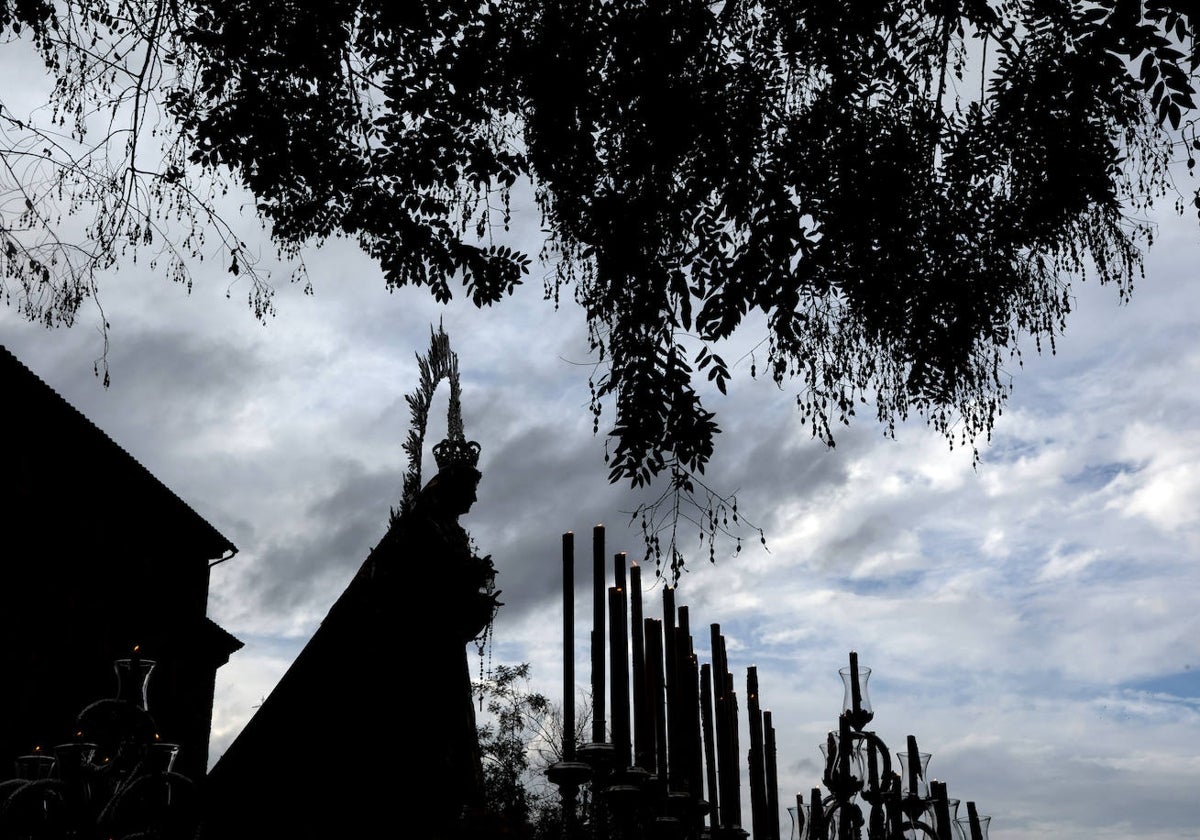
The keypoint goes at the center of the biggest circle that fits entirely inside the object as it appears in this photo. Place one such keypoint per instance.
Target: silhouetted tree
(521, 737)
(904, 190)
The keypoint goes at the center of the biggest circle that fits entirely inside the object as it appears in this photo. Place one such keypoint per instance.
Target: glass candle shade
(918, 820)
(799, 816)
(914, 775)
(972, 830)
(952, 810)
(856, 704)
(133, 680)
(74, 760)
(843, 822)
(35, 766)
(160, 757)
(840, 784)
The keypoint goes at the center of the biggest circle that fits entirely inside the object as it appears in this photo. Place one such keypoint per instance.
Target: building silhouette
(100, 556)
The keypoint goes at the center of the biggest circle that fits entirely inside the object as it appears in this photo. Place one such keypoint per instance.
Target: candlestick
(568, 563)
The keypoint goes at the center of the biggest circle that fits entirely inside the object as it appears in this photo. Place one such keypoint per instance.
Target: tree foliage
(520, 738)
(99, 172)
(902, 190)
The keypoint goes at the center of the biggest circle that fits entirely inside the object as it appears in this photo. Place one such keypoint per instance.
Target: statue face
(458, 486)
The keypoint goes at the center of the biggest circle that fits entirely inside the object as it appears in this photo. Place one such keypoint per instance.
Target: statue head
(452, 490)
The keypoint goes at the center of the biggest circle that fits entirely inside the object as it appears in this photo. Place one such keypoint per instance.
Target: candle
(735, 779)
(941, 809)
(721, 721)
(619, 674)
(670, 683)
(974, 822)
(654, 689)
(710, 757)
(642, 728)
(619, 568)
(689, 696)
(568, 564)
(830, 755)
(816, 814)
(844, 746)
(684, 705)
(772, 776)
(914, 767)
(755, 757)
(855, 689)
(598, 710)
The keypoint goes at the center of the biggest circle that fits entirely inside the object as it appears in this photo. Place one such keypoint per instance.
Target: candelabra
(670, 769)
(112, 781)
(864, 793)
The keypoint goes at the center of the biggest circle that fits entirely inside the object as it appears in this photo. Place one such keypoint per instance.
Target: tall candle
(710, 747)
(642, 728)
(654, 690)
(721, 722)
(568, 561)
(670, 686)
(689, 704)
(599, 607)
(619, 675)
(772, 776)
(755, 757)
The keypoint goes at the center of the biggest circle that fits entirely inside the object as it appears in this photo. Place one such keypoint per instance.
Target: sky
(1031, 619)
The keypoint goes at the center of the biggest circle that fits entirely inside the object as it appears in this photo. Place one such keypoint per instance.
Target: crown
(455, 451)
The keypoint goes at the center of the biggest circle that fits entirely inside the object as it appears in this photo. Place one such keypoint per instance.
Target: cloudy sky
(1031, 620)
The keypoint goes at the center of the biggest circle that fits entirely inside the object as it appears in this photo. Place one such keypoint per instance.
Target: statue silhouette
(372, 731)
